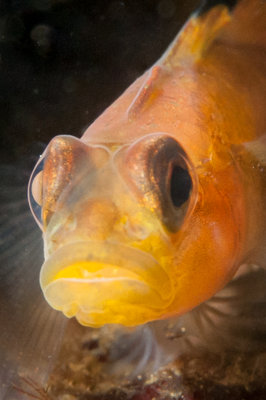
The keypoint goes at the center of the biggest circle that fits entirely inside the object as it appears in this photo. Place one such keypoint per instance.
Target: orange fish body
(155, 208)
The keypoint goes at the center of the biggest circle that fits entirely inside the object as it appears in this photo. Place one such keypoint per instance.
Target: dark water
(63, 62)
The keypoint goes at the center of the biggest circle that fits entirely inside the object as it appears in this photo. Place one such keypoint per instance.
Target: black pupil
(180, 186)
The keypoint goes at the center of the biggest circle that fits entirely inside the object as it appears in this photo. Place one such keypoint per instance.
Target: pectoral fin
(224, 339)
(31, 331)
(257, 149)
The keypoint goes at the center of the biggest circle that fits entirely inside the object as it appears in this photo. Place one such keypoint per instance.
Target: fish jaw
(101, 283)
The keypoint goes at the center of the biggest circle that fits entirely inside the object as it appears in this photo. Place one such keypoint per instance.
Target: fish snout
(97, 218)
(93, 220)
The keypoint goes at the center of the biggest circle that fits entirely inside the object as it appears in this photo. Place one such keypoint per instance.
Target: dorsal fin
(229, 22)
(248, 25)
(209, 4)
(243, 25)
(196, 36)
(189, 46)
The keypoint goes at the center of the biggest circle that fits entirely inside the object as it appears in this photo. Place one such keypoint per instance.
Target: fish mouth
(103, 282)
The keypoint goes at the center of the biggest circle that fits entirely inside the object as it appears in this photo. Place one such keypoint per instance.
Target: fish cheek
(207, 248)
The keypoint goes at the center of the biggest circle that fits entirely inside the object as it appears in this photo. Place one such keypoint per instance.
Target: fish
(152, 212)
(157, 212)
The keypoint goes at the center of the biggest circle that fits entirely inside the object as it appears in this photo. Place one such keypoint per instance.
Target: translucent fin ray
(31, 332)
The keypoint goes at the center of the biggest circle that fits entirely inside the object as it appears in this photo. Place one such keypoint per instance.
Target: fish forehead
(136, 114)
(189, 105)
(191, 91)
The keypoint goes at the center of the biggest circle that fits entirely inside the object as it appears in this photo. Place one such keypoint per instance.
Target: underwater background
(62, 62)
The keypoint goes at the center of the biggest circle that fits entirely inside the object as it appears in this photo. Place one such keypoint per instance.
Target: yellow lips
(94, 270)
(105, 284)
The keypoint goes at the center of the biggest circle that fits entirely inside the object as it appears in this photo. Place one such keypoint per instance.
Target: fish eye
(171, 181)
(162, 175)
(35, 192)
(180, 185)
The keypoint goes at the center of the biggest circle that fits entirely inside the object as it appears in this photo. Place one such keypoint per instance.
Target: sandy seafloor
(62, 62)
(87, 370)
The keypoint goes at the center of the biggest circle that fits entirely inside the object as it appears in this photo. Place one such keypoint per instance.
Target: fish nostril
(96, 218)
(136, 231)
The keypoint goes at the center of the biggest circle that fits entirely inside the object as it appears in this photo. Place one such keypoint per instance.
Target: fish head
(127, 237)
(105, 212)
